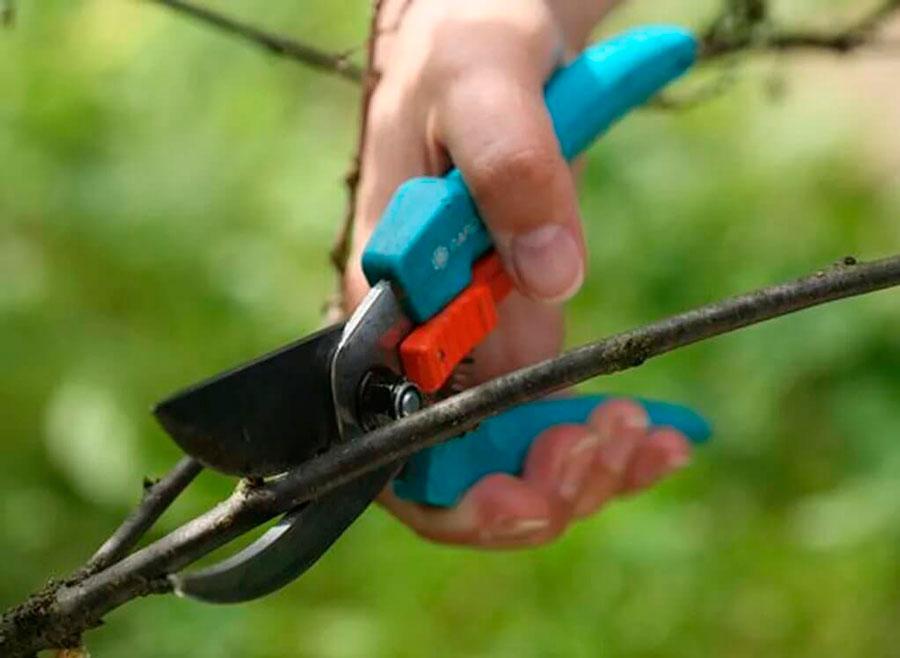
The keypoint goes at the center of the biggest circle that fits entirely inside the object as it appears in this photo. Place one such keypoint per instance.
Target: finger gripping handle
(431, 234)
(441, 475)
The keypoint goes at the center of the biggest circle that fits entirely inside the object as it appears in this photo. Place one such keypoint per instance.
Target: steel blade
(263, 417)
(287, 549)
(247, 421)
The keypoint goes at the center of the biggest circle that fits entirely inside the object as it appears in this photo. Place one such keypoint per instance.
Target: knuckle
(613, 411)
(528, 166)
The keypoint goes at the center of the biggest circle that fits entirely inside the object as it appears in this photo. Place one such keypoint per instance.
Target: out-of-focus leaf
(92, 442)
(7, 13)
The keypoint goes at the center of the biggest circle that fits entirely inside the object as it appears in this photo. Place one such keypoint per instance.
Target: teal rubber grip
(430, 233)
(440, 475)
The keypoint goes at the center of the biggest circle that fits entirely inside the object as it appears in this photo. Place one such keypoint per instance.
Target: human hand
(462, 82)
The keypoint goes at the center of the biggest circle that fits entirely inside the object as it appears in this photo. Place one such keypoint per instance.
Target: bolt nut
(407, 399)
(385, 397)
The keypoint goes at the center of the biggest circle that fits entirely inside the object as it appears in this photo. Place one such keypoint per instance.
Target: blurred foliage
(167, 200)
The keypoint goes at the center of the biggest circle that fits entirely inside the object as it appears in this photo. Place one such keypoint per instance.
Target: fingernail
(548, 262)
(577, 467)
(652, 470)
(617, 416)
(514, 529)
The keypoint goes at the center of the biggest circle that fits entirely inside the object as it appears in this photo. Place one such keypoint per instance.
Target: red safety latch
(433, 350)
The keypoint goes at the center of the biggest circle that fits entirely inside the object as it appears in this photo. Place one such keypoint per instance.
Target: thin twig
(63, 612)
(701, 95)
(715, 44)
(744, 27)
(839, 43)
(274, 43)
(873, 20)
(340, 252)
(158, 496)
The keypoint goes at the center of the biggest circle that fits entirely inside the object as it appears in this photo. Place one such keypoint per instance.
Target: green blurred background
(168, 196)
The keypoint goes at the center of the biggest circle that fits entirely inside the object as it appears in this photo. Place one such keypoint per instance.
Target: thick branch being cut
(58, 615)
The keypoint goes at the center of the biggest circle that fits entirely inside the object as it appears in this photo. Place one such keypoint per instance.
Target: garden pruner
(436, 283)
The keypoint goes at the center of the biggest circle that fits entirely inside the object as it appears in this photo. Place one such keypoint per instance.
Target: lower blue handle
(442, 474)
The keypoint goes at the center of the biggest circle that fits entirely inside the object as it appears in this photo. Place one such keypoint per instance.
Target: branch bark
(158, 496)
(58, 615)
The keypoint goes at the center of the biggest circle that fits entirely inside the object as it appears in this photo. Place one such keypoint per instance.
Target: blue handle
(442, 474)
(431, 234)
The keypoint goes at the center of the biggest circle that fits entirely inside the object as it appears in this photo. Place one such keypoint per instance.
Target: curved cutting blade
(293, 401)
(263, 417)
(287, 549)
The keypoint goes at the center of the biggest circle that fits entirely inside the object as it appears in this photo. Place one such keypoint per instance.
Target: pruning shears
(436, 284)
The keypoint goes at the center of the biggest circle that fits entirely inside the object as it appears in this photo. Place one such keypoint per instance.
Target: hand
(462, 83)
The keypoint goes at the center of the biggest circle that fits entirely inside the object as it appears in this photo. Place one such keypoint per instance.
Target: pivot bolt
(407, 399)
(385, 397)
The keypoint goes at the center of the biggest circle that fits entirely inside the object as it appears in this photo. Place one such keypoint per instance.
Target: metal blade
(257, 402)
(263, 417)
(287, 549)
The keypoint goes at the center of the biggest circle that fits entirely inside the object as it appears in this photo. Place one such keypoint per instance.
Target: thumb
(498, 131)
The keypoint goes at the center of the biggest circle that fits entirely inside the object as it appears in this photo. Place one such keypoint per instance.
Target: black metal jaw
(261, 418)
(271, 416)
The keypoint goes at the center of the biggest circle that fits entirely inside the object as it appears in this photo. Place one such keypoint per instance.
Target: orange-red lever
(431, 352)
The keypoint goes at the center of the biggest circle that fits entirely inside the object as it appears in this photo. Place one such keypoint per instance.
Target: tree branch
(735, 32)
(744, 26)
(336, 63)
(340, 251)
(60, 613)
(158, 496)
(743, 20)
(736, 29)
